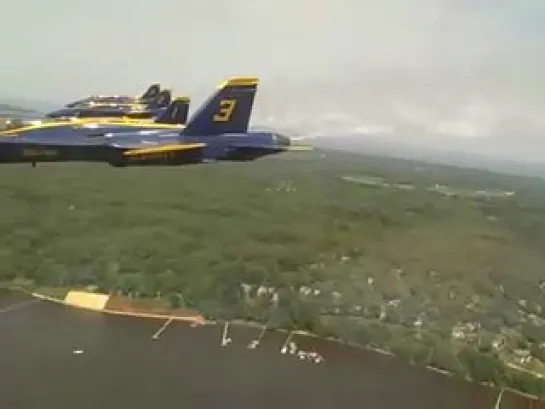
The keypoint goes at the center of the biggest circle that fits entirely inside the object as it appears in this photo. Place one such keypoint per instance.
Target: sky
(466, 73)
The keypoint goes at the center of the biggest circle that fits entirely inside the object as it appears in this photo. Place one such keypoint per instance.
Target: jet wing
(170, 152)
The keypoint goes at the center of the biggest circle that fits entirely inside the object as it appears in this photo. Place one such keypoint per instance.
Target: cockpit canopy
(101, 112)
(99, 100)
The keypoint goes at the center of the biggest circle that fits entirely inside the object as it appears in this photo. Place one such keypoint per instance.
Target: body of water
(55, 357)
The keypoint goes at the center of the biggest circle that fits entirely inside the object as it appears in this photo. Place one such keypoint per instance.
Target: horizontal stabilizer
(164, 149)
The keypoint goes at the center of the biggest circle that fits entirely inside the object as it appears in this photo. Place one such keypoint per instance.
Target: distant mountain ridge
(13, 108)
(397, 149)
(21, 110)
(23, 105)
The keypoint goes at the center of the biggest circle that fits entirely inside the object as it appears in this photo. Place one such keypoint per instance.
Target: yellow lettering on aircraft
(33, 153)
(226, 109)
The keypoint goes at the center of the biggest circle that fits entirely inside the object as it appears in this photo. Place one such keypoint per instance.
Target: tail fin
(162, 100)
(226, 111)
(78, 102)
(176, 112)
(151, 92)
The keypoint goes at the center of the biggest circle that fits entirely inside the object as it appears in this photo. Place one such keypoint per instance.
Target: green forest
(442, 266)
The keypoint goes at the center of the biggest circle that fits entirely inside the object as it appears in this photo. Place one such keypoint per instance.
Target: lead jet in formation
(218, 131)
(151, 93)
(135, 110)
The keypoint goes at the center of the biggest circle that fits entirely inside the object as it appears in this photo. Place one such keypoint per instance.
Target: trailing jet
(136, 110)
(150, 94)
(218, 131)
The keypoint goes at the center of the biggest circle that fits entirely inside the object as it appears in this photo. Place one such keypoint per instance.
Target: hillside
(405, 147)
(10, 108)
(26, 105)
(11, 111)
(442, 266)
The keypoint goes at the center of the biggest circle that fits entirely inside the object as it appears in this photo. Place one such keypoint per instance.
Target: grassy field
(420, 261)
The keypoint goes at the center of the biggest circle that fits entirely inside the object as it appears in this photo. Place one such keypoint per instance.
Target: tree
(486, 342)
(394, 316)
(528, 383)
(380, 334)
(538, 352)
(533, 333)
(483, 367)
(444, 357)
(176, 300)
(360, 334)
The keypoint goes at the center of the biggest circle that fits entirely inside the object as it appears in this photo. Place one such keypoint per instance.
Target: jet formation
(147, 130)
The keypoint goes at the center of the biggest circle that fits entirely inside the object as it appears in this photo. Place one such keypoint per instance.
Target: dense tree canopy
(367, 249)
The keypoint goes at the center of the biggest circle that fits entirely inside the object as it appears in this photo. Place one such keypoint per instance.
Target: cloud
(456, 66)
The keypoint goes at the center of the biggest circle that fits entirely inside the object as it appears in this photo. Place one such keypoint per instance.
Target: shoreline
(116, 305)
(124, 306)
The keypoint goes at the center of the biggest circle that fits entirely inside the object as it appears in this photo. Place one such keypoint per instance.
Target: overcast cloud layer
(463, 74)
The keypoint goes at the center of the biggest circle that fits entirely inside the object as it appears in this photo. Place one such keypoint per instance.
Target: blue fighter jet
(136, 110)
(218, 131)
(150, 94)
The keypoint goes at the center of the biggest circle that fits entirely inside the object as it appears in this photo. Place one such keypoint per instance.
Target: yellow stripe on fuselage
(164, 149)
(128, 123)
(109, 120)
(99, 119)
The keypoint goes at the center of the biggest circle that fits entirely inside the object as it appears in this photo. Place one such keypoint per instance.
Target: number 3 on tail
(225, 111)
